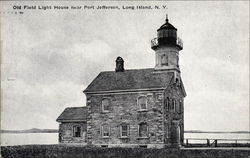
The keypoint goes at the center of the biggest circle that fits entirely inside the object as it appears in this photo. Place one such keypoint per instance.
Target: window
(180, 106)
(124, 130)
(142, 103)
(143, 129)
(105, 131)
(167, 131)
(164, 60)
(177, 61)
(174, 105)
(77, 131)
(105, 105)
(177, 80)
(177, 107)
(167, 104)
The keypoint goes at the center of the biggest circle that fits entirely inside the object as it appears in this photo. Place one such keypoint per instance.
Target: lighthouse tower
(167, 46)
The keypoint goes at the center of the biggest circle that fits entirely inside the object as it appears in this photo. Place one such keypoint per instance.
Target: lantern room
(167, 36)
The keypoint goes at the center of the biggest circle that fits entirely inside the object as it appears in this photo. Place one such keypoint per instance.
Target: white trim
(126, 91)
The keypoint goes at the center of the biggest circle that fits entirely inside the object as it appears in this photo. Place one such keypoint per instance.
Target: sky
(50, 56)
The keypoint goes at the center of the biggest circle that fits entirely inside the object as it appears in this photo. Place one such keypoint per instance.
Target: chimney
(119, 64)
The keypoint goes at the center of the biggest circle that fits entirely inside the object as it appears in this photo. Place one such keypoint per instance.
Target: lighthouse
(167, 47)
(133, 107)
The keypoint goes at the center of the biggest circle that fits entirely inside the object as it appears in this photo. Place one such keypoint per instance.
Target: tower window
(143, 129)
(177, 107)
(76, 131)
(173, 105)
(142, 102)
(167, 104)
(105, 105)
(167, 131)
(164, 60)
(181, 106)
(177, 61)
(177, 80)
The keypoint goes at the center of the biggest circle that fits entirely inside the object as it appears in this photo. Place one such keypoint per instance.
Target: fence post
(215, 142)
(208, 142)
(186, 141)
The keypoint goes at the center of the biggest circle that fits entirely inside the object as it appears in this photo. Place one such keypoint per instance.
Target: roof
(136, 79)
(73, 114)
(167, 25)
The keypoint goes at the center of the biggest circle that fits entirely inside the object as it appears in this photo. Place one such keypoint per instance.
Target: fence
(191, 142)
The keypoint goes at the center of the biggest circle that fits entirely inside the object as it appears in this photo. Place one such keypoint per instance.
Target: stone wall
(174, 118)
(66, 132)
(124, 109)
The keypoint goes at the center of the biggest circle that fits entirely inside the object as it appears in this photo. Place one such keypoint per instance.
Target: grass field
(66, 151)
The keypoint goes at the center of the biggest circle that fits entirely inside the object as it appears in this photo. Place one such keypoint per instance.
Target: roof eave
(71, 120)
(122, 91)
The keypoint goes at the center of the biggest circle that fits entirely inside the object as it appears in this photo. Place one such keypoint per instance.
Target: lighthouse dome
(167, 25)
(167, 34)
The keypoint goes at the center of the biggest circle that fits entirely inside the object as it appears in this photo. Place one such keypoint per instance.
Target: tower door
(176, 134)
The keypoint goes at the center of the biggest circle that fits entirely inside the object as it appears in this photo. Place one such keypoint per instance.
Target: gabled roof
(130, 80)
(73, 114)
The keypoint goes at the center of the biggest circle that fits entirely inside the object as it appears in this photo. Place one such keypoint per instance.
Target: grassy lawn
(66, 151)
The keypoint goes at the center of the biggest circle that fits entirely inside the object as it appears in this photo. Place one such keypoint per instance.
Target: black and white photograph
(124, 79)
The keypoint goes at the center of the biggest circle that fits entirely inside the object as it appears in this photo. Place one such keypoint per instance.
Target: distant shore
(33, 130)
(36, 130)
(198, 131)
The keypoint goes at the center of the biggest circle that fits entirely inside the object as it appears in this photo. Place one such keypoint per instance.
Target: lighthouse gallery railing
(154, 42)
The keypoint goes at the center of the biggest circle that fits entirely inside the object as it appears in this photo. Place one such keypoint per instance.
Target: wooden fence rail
(217, 142)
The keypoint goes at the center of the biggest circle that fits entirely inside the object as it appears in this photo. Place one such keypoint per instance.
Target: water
(28, 138)
(218, 136)
(52, 138)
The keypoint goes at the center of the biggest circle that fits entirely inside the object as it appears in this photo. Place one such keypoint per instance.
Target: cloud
(217, 110)
(37, 105)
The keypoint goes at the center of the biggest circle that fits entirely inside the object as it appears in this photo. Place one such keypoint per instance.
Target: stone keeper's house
(133, 108)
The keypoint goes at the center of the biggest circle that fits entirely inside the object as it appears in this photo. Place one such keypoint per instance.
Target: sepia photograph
(124, 79)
